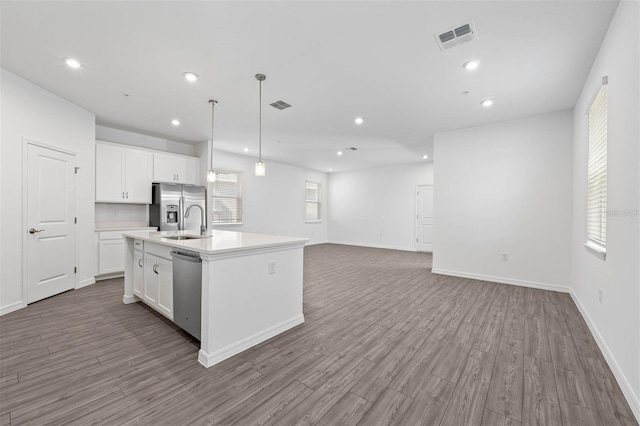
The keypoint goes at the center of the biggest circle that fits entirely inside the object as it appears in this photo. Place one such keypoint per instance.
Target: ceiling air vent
(280, 105)
(352, 148)
(456, 35)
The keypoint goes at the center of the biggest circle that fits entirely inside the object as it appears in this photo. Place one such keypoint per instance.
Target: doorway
(50, 216)
(424, 218)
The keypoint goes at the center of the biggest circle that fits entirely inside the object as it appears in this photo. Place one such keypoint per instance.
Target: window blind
(226, 197)
(313, 198)
(597, 168)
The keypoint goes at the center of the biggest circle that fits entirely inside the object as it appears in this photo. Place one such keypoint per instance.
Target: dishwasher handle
(187, 257)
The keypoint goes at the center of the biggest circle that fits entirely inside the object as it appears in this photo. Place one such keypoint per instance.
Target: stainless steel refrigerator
(170, 202)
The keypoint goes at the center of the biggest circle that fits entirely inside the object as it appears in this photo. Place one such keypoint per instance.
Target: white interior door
(51, 206)
(424, 218)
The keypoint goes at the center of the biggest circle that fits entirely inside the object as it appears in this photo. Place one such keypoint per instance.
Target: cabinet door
(138, 166)
(164, 168)
(151, 280)
(111, 256)
(109, 173)
(138, 274)
(165, 287)
(187, 170)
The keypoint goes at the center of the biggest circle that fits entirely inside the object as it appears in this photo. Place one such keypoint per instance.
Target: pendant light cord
(213, 104)
(260, 126)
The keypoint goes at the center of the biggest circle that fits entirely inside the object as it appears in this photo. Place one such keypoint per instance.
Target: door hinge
(75, 220)
(75, 269)
(76, 170)
(416, 240)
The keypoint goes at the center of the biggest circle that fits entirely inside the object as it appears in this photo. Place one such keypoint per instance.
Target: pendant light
(260, 167)
(211, 175)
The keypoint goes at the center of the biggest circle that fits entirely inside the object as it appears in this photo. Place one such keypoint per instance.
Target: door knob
(33, 230)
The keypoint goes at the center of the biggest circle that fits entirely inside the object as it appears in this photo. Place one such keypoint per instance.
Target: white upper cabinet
(138, 176)
(123, 175)
(175, 168)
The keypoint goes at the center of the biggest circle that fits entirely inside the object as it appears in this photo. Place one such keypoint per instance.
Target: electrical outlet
(600, 295)
(505, 257)
(115, 212)
(272, 267)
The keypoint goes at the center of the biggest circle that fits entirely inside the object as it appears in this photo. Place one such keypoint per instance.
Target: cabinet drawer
(138, 244)
(110, 235)
(158, 250)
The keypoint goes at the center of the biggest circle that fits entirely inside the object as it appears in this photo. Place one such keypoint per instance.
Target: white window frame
(596, 206)
(317, 202)
(238, 198)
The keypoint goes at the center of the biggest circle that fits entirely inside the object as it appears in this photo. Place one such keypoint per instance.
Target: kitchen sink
(184, 237)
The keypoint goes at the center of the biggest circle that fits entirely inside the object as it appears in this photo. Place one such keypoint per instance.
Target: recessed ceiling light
(471, 65)
(330, 169)
(359, 120)
(190, 76)
(487, 103)
(246, 150)
(175, 122)
(72, 63)
(339, 152)
(424, 157)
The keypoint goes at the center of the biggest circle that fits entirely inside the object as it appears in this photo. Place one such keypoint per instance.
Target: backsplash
(126, 215)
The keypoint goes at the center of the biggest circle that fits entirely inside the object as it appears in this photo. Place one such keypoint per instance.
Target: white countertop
(216, 241)
(122, 226)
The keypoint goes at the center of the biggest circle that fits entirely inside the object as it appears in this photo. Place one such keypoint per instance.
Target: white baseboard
(380, 246)
(109, 276)
(502, 280)
(12, 307)
(86, 282)
(315, 243)
(627, 390)
(235, 348)
(129, 299)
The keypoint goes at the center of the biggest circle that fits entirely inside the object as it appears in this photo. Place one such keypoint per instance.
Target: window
(313, 204)
(597, 169)
(226, 197)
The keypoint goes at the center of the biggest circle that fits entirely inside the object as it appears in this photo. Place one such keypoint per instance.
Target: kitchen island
(251, 284)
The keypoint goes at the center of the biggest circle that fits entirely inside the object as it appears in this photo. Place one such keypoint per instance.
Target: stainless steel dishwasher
(187, 291)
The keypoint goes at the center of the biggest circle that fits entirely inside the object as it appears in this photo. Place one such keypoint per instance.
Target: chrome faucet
(203, 228)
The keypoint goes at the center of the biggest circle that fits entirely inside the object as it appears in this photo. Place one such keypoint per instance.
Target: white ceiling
(332, 60)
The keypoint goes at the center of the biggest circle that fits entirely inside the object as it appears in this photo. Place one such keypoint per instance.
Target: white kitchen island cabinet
(251, 285)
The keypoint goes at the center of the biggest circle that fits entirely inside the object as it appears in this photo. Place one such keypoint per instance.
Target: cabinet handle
(127, 195)
(140, 263)
(154, 268)
(122, 194)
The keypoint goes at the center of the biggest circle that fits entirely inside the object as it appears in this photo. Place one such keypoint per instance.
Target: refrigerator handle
(181, 213)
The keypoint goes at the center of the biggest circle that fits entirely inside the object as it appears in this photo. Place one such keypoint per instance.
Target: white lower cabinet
(111, 256)
(158, 284)
(138, 273)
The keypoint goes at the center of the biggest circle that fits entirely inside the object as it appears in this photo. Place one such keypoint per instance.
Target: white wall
(376, 207)
(275, 203)
(614, 321)
(109, 134)
(505, 188)
(31, 112)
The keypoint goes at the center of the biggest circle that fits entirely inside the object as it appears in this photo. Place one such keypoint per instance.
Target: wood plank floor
(384, 342)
